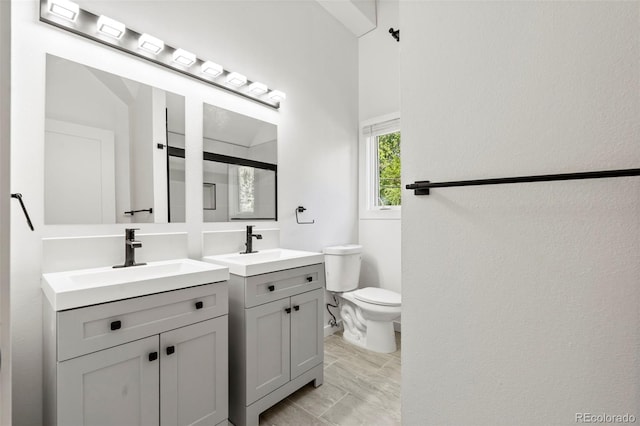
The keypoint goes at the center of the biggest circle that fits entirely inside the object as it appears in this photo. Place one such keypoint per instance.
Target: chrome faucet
(130, 244)
(249, 242)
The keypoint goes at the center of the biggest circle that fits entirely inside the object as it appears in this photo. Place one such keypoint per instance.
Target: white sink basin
(265, 261)
(72, 289)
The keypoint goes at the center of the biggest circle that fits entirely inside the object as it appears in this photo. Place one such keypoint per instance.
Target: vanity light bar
(64, 8)
(67, 15)
(150, 43)
(111, 27)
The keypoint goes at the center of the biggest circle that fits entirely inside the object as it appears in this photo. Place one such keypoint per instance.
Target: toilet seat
(378, 296)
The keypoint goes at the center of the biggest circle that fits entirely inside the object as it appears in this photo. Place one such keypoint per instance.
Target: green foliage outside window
(389, 169)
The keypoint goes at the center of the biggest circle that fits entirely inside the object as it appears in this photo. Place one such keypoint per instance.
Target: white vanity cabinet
(276, 338)
(159, 359)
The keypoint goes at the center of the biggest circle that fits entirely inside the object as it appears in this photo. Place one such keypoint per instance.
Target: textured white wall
(293, 46)
(521, 303)
(379, 95)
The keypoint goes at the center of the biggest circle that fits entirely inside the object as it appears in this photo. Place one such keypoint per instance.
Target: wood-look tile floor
(360, 388)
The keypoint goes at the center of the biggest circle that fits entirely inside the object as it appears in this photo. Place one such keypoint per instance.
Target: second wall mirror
(240, 171)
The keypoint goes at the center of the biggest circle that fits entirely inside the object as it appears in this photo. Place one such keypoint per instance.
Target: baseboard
(328, 330)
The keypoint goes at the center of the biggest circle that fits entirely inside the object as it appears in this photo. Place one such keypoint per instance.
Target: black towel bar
(422, 187)
(132, 212)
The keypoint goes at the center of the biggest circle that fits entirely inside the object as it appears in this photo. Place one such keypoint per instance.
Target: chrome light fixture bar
(67, 15)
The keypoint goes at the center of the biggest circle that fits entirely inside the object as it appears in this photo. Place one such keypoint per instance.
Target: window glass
(388, 188)
(246, 189)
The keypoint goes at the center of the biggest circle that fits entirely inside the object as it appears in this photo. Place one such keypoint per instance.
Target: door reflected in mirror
(240, 167)
(112, 148)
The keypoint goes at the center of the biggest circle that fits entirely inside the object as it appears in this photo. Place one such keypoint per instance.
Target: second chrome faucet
(249, 242)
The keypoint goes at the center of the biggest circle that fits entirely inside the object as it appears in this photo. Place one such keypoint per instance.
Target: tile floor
(360, 388)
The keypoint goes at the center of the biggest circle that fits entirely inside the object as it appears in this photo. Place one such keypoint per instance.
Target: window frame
(368, 170)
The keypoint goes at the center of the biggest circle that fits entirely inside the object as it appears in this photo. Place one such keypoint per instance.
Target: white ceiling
(359, 16)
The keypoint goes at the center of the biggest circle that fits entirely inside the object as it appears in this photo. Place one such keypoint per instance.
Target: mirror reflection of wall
(102, 157)
(240, 163)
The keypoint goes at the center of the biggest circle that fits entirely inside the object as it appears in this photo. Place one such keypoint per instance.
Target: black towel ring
(301, 209)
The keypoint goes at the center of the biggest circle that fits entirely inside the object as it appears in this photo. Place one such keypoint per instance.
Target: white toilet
(367, 313)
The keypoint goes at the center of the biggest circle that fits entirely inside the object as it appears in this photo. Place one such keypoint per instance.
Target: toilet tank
(342, 267)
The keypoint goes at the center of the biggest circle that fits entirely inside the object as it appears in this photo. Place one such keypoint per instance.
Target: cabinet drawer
(276, 285)
(89, 329)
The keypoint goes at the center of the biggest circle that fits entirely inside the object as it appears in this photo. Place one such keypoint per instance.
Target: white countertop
(265, 261)
(83, 287)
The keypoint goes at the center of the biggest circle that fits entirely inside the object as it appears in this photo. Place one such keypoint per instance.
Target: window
(246, 189)
(387, 177)
(381, 188)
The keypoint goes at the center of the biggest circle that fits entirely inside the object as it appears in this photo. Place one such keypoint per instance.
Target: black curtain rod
(422, 187)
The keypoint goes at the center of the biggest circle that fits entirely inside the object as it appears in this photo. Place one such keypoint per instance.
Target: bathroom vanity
(157, 357)
(275, 328)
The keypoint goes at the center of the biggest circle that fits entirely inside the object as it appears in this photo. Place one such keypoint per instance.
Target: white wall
(520, 302)
(379, 95)
(5, 201)
(293, 46)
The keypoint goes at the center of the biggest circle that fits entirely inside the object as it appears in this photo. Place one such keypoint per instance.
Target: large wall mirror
(110, 148)
(240, 167)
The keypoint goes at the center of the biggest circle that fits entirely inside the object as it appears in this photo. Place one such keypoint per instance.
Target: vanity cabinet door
(267, 348)
(307, 348)
(194, 374)
(116, 386)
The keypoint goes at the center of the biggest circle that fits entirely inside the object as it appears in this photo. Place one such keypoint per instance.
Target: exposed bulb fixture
(110, 27)
(68, 15)
(277, 96)
(182, 57)
(64, 9)
(211, 69)
(150, 44)
(257, 88)
(236, 79)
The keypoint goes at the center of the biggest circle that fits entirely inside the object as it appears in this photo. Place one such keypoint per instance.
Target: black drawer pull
(287, 310)
(153, 356)
(116, 325)
(199, 305)
(309, 279)
(171, 350)
(271, 287)
(296, 308)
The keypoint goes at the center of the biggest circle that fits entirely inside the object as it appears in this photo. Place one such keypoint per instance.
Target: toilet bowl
(369, 323)
(367, 313)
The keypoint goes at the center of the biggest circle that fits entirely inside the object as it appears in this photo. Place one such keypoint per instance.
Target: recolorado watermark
(605, 418)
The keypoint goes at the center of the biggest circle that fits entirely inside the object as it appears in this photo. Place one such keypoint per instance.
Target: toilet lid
(378, 296)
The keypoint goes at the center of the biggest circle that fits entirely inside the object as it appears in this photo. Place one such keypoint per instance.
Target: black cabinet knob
(116, 325)
(309, 279)
(153, 356)
(296, 308)
(199, 305)
(170, 350)
(287, 310)
(271, 287)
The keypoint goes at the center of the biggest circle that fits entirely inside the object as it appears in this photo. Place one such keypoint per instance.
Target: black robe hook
(395, 33)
